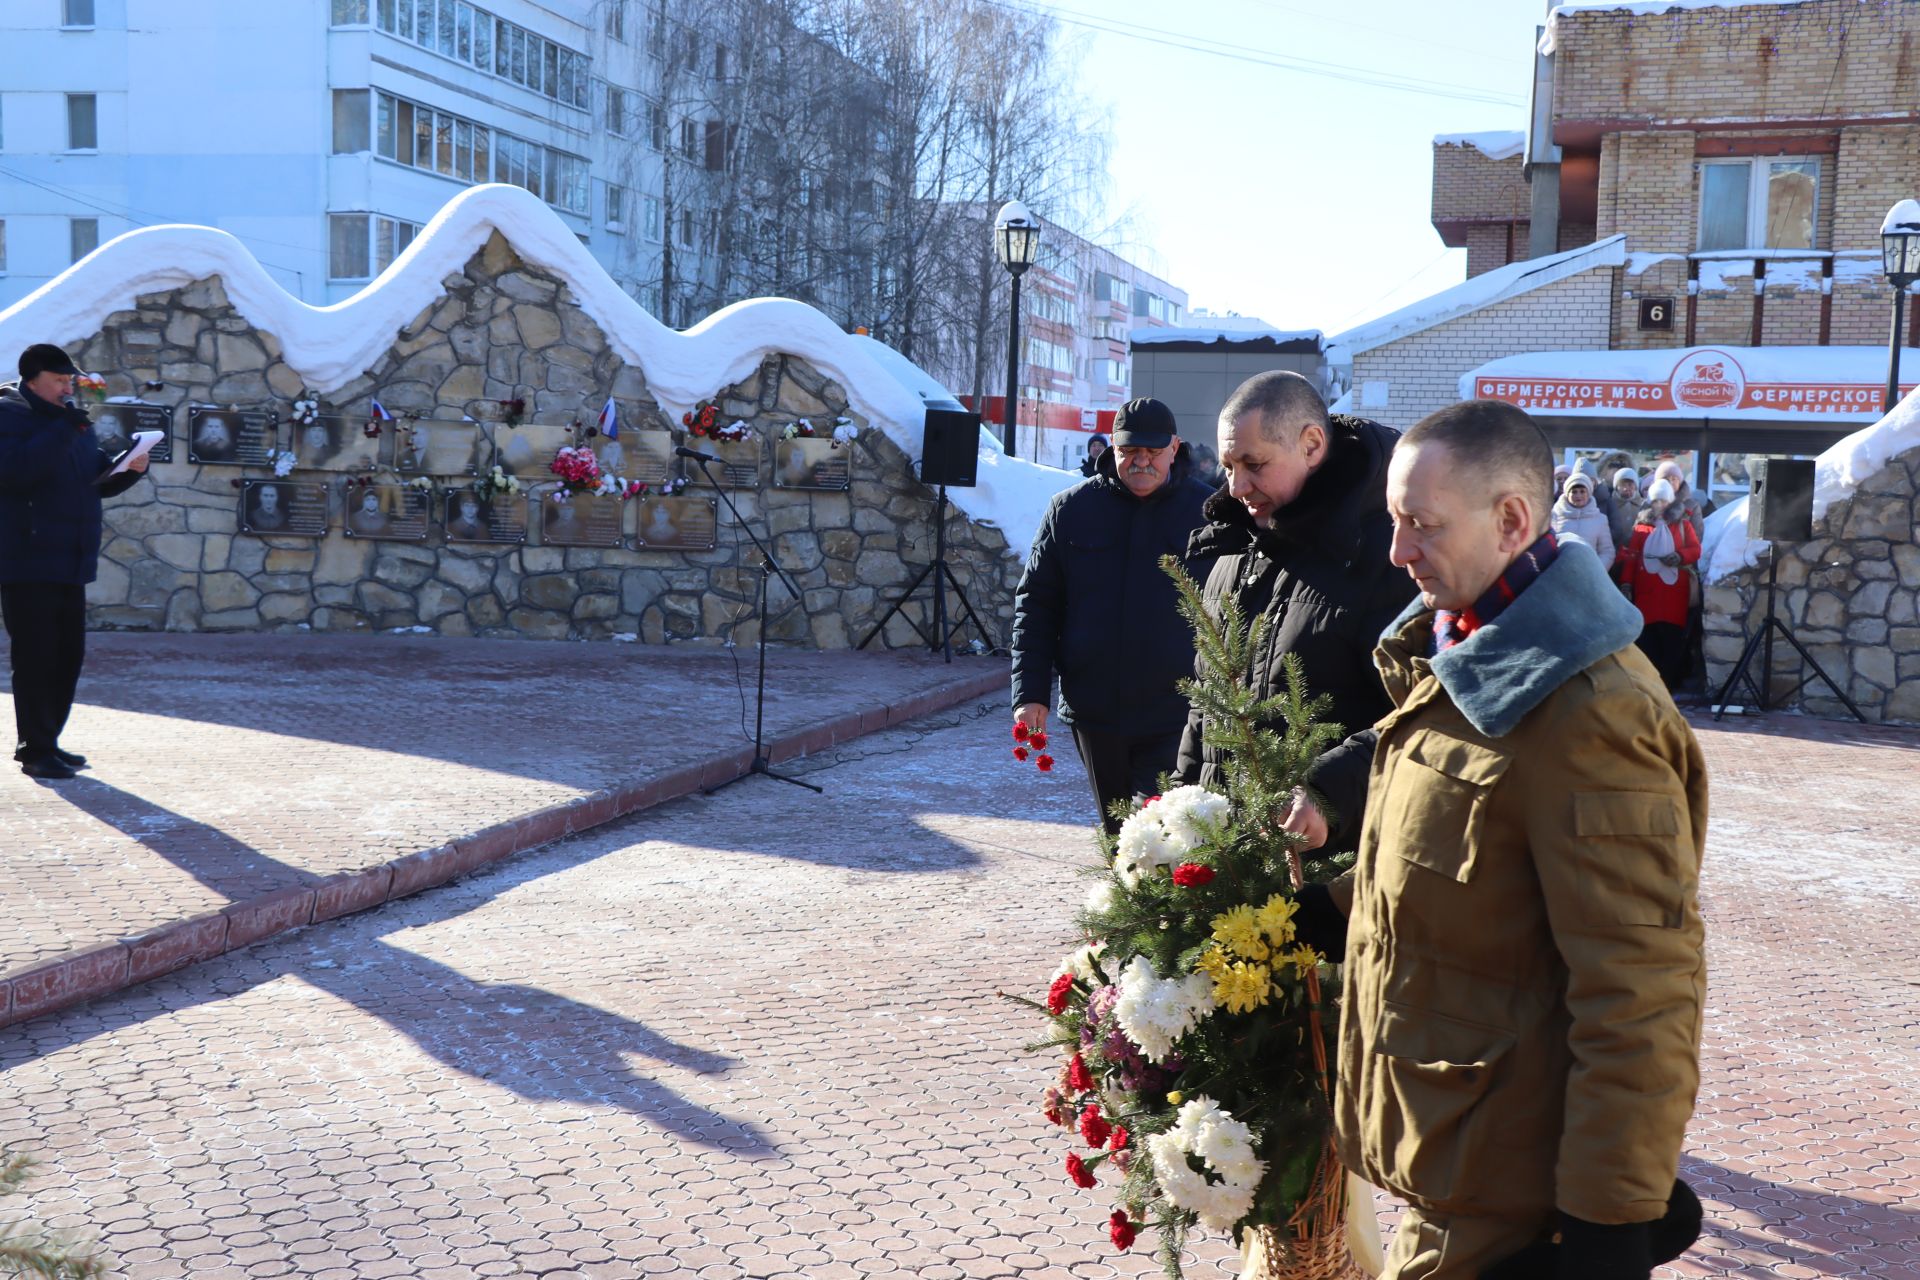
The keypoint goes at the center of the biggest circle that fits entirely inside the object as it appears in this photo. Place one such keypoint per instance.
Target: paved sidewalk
(755, 1035)
(244, 784)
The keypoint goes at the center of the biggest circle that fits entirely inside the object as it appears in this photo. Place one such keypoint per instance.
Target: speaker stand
(941, 640)
(1761, 643)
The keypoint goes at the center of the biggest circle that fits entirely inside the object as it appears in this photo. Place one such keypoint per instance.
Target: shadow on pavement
(1831, 1223)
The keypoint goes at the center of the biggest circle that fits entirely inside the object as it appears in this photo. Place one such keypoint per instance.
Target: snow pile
(1904, 216)
(1495, 144)
(1640, 7)
(331, 346)
(1837, 473)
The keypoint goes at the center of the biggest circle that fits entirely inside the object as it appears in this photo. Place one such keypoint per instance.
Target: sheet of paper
(143, 442)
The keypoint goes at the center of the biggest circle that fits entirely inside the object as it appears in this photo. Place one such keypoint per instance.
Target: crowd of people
(1525, 806)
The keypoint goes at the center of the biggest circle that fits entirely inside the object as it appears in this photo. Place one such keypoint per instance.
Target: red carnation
(1148, 802)
(1094, 1127)
(1044, 763)
(1079, 1079)
(1020, 753)
(1057, 994)
(686, 419)
(1120, 1231)
(1078, 1171)
(1119, 1138)
(1055, 1106)
(1039, 742)
(1021, 733)
(1191, 875)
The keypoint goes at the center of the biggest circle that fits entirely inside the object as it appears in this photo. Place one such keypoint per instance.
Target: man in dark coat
(1095, 607)
(1301, 536)
(52, 477)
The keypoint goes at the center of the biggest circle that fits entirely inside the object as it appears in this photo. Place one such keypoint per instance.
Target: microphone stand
(761, 764)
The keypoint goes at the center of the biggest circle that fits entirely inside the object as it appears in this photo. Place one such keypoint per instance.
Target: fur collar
(1569, 618)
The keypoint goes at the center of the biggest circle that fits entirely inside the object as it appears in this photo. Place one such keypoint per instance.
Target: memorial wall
(499, 467)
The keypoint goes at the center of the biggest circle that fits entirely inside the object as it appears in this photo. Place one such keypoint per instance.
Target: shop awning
(1811, 385)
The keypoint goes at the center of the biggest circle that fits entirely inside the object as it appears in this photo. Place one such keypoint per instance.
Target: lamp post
(1900, 242)
(1016, 236)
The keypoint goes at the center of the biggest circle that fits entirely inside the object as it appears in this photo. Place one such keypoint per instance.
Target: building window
(391, 236)
(346, 13)
(79, 13)
(1758, 204)
(616, 112)
(617, 20)
(3, 246)
(719, 62)
(650, 217)
(411, 133)
(690, 139)
(347, 242)
(657, 126)
(686, 230)
(471, 35)
(350, 121)
(616, 197)
(83, 122)
(83, 237)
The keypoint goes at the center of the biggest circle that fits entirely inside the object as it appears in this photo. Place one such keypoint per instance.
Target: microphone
(681, 451)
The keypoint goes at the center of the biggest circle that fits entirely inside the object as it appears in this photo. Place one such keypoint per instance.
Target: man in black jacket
(1095, 606)
(52, 477)
(1301, 536)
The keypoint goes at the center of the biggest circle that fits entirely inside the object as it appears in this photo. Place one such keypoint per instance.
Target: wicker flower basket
(1336, 1236)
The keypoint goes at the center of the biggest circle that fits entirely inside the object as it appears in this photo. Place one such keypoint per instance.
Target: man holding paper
(53, 474)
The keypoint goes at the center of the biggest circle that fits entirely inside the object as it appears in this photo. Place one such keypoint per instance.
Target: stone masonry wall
(1851, 595)
(172, 558)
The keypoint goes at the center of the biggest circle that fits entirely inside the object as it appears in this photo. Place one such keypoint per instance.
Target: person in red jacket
(1655, 569)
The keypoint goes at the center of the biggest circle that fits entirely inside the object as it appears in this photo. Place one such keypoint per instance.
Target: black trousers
(47, 624)
(1121, 766)
(1665, 645)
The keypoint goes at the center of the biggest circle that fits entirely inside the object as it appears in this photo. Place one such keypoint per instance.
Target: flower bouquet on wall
(580, 473)
(1197, 1027)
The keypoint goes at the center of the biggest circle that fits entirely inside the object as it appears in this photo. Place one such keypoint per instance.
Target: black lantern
(1016, 238)
(1900, 243)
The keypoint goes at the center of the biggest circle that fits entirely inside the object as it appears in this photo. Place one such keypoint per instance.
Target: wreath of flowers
(91, 385)
(733, 431)
(281, 460)
(701, 419)
(495, 482)
(799, 429)
(1223, 1193)
(580, 472)
(844, 432)
(306, 410)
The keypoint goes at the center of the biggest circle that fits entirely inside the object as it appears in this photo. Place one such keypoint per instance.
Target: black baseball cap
(1143, 424)
(44, 357)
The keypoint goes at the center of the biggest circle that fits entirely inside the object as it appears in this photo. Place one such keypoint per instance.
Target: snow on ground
(1494, 144)
(331, 346)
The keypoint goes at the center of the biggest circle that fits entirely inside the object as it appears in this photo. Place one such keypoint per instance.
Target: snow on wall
(330, 346)
(1640, 7)
(1494, 144)
(1836, 474)
(1155, 335)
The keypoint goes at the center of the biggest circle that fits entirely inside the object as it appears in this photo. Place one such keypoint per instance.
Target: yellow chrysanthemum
(1175, 1097)
(1239, 932)
(1303, 958)
(1213, 962)
(1276, 919)
(1242, 988)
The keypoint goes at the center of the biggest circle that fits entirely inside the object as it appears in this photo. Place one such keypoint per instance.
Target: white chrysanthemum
(1100, 897)
(1080, 963)
(1225, 1146)
(1155, 1012)
(1184, 812)
(1142, 846)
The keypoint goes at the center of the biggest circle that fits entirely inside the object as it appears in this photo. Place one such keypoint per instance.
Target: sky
(1268, 191)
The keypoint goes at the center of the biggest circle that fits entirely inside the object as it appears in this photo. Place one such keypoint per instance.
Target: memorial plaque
(392, 512)
(478, 517)
(812, 462)
(527, 451)
(333, 443)
(116, 423)
(287, 507)
(739, 461)
(230, 437)
(645, 456)
(677, 523)
(584, 520)
(438, 447)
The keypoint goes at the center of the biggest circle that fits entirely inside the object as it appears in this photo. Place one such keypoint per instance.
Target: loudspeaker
(1781, 506)
(950, 448)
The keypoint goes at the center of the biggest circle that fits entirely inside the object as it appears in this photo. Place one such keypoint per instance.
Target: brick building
(1741, 158)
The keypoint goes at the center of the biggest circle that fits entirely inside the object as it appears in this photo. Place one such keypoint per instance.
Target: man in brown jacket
(1519, 1048)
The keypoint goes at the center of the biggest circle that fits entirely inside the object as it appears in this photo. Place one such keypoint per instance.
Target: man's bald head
(1284, 402)
(1495, 448)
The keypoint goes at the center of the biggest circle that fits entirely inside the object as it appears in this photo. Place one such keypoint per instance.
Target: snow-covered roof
(1643, 7)
(1479, 292)
(330, 346)
(1837, 473)
(1160, 334)
(1811, 384)
(1496, 144)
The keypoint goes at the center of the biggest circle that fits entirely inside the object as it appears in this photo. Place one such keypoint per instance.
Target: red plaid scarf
(1451, 627)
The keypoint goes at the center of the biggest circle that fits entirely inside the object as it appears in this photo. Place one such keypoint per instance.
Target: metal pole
(1893, 352)
(1013, 370)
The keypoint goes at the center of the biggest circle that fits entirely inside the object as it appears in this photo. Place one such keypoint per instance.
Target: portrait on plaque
(739, 461)
(583, 520)
(115, 425)
(527, 450)
(476, 517)
(677, 523)
(234, 437)
(438, 447)
(645, 456)
(812, 462)
(283, 506)
(333, 443)
(396, 512)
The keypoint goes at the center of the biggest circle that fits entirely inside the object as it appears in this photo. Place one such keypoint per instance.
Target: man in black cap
(1095, 608)
(53, 474)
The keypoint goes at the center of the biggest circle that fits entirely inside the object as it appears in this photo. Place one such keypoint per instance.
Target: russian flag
(610, 420)
(380, 413)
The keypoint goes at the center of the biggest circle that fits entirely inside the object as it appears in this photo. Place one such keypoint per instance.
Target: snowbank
(1495, 144)
(1642, 7)
(1837, 473)
(331, 346)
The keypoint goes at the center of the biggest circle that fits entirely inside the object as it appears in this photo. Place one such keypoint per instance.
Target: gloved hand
(1599, 1251)
(1320, 923)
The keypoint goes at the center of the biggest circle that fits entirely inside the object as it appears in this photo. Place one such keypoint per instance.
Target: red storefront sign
(1702, 382)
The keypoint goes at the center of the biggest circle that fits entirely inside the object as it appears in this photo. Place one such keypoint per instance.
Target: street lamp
(1016, 236)
(1900, 242)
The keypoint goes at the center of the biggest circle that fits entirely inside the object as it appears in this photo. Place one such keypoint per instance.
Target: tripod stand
(941, 641)
(1761, 642)
(761, 764)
